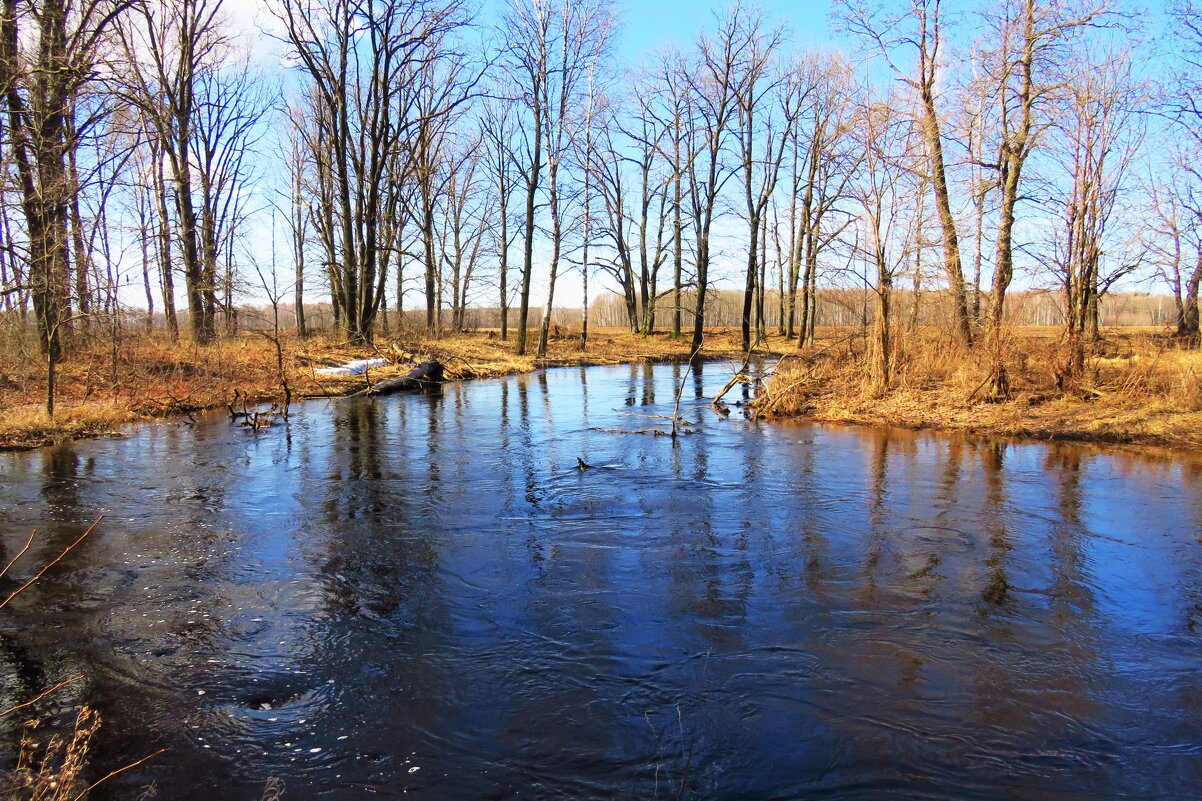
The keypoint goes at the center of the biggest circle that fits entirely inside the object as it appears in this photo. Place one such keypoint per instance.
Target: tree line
(420, 148)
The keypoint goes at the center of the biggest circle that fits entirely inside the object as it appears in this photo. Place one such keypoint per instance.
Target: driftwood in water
(424, 376)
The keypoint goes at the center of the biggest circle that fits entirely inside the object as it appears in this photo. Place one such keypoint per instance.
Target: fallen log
(424, 376)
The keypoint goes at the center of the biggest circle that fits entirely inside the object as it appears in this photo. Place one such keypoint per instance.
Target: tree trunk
(556, 238)
(1187, 318)
(881, 357)
(427, 375)
(504, 264)
(699, 303)
(753, 247)
(951, 242)
(677, 252)
(164, 248)
(528, 248)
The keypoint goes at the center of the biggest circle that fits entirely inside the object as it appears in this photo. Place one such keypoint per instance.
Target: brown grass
(1137, 387)
(480, 354)
(51, 769)
(101, 389)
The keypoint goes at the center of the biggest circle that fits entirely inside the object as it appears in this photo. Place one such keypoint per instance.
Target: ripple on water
(425, 597)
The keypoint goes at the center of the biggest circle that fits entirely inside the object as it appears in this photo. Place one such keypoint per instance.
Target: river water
(423, 596)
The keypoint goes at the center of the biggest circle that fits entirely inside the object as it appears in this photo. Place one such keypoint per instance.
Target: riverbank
(101, 389)
(1138, 388)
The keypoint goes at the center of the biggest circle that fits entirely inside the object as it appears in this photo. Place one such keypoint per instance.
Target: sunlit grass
(139, 377)
(1137, 387)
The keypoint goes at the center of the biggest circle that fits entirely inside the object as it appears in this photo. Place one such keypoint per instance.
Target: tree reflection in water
(757, 610)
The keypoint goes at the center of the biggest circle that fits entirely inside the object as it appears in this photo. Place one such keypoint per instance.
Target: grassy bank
(1138, 387)
(102, 388)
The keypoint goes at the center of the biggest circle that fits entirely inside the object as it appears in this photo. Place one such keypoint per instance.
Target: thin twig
(20, 553)
(95, 784)
(655, 432)
(52, 690)
(679, 392)
(51, 564)
(653, 416)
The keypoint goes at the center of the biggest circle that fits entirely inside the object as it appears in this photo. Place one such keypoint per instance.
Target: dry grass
(481, 354)
(51, 769)
(101, 388)
(1137, 387)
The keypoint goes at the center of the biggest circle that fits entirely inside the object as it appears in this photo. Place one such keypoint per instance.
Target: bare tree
(48, 53)
(1026, 64)
(636, 226)
(586, 168)
(443, 82)
(497, 125)
(646, 132)
(610, 172)
(527, 28)
(164, 235)
(1177, 240)
(920, 28)
(829, 162)
(1185, 106)
(300, 211)
(361, 62)
(712, 113)
(674, 95)
(167, 47)
(1099, 136)
(231, 103)
(467, 217)
(768, 105)
(579, 42)
(885, 189)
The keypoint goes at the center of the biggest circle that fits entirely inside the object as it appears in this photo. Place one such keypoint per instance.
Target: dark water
(424, 597)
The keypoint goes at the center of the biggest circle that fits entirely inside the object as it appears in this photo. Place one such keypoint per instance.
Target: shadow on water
(424, 596)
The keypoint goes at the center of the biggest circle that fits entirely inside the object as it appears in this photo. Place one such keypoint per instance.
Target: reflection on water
(423, 596)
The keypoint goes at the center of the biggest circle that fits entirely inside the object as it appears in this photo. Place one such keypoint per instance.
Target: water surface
(423, 596)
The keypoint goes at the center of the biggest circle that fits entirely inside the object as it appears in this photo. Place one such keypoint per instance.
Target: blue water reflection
(423, 596)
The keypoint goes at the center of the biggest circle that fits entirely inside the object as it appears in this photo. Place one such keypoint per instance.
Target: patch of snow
(352, 368)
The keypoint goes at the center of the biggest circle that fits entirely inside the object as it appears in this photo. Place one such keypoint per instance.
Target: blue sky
(647, 26)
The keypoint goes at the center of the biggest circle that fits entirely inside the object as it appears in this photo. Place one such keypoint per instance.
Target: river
(425, 597)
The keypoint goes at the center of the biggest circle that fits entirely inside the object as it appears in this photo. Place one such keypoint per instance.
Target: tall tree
(167, 48)
(712, 112)
(497, 125)
(1099, 134)
(579, 42)
(360, 61)
(920, 28)
(768, 104)
(527, 29)
(820, 181)
(884, 192)
(1177, 240)
(48, 54)
(1184, 103)
(1026, 64)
